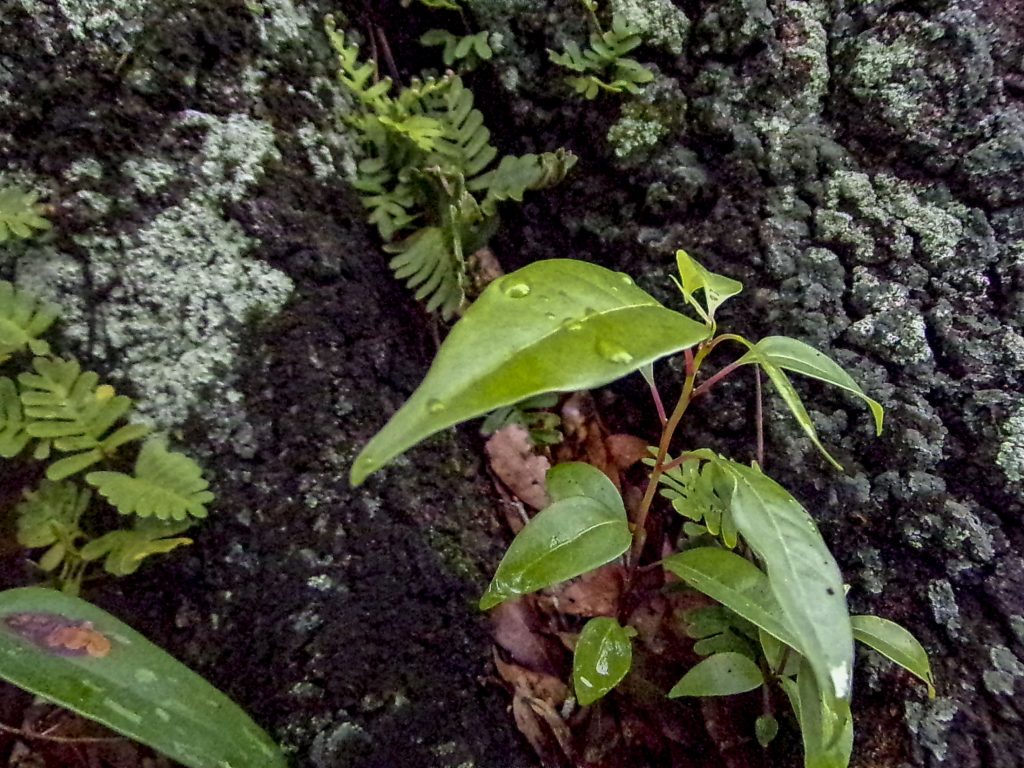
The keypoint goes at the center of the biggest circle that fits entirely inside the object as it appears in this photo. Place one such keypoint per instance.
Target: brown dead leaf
(517, 466)
(549, 737)
(595, 593)
(625, 450)
(527, 682)
(518, 631)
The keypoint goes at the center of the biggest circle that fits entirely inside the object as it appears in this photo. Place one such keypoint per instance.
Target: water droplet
(162, 714)
(613, 352)
(589, 311)
(435, 406)
(572, 325)
(517, 290)
(550, 315)
(625, 279)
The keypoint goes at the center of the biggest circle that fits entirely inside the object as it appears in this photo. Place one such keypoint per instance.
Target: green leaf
(20, 214)
(572, 535)
(776, 354)
(79, 656)
(736, 583)
(827, 733)
(766, 728)
(125, 550)
(723, 674)
(13, 437)
(694, 277)
(576, 478)
(803, 575)
(557, 325)
(167, 485)
(23, 318)
(51, 513)
(896, 644)
(604, 654)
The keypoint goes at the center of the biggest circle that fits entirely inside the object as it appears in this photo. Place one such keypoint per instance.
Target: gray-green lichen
(661, 22)
(944, 606)
(177, 293)
(930, 723)
(1006, 669)
(1011, 452)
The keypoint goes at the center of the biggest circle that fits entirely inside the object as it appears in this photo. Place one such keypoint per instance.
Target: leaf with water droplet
(516, 290)
(133, 687)
(603, 656)
(502, 351)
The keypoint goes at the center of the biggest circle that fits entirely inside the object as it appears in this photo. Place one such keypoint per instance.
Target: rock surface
(860, 166)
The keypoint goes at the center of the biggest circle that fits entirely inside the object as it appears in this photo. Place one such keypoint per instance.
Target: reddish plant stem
(640, 524)
(658, 403)
(703, 388)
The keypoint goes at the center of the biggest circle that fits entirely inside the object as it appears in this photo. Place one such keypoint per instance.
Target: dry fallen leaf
(518, 630)
(512, 459)
(527, 682)
(625, 450)
(595, 593)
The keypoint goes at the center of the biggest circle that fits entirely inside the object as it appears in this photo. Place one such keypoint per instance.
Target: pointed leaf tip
(556, 325)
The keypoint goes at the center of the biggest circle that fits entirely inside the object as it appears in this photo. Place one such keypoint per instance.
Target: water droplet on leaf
(613, 352)
(517, 290)
(626, 279)
(572, 325)
(435, 406)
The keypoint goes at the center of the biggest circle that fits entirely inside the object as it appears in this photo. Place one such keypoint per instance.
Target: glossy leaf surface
(77, 655)
(736, 583)
(896, 644)
(554, 325)
(572, 535)
(723, 674)
(803, 575)
(604, 654)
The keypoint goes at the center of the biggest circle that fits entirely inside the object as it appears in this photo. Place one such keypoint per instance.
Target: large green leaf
(77, 655)
(896, 644)
(577, 478)
(572, 535)
(724, 674)
(554, 325)
(827, 732)
(736, 583)
(603, 657)
(777, 354)
(803, 575)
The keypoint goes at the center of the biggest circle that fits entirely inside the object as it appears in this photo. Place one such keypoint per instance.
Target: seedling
(782, 618)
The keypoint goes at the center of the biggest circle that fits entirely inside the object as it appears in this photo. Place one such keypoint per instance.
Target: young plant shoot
(747, 544)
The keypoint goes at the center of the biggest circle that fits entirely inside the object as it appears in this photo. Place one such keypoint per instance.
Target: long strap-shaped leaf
(555, 325)
(801, 570)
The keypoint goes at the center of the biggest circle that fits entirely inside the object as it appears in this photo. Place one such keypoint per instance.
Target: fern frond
(468, 49)
(516, 175)
(23, 319)
(464, 145)
(13, 437)
(51, 513)
(69, 408)
(166, 485)
(20, 213)
(603, 66)
(430, 268)
(125, 550)
(359, 77)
